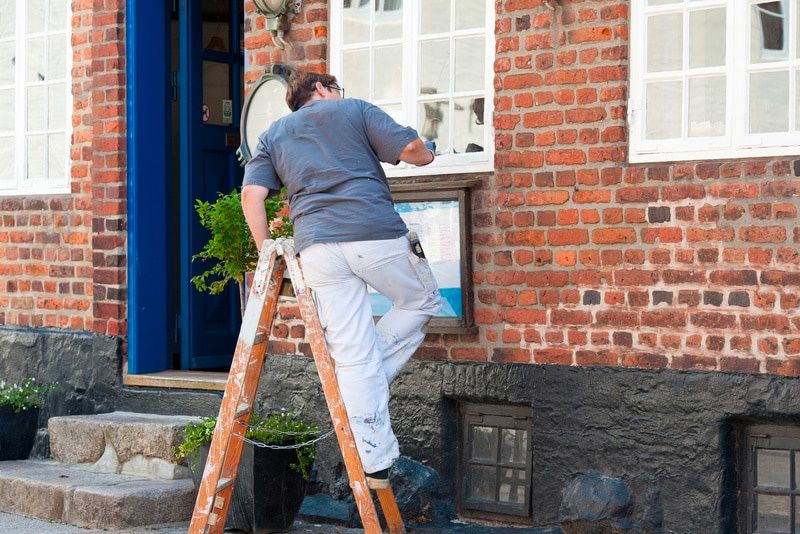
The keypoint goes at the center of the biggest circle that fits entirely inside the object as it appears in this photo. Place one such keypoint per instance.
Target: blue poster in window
(437, 225)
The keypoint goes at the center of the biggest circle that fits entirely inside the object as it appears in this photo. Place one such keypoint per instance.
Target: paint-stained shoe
(379, 479)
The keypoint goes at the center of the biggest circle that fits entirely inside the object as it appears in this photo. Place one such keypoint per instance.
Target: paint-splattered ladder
(219, 477)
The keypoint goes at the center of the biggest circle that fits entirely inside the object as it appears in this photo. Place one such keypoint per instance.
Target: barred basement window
(495, 462)
(770, 494)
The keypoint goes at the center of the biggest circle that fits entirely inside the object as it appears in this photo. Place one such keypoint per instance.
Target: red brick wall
(62, 258)
(581, 258)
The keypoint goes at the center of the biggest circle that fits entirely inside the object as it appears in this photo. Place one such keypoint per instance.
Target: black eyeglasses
(336, 88)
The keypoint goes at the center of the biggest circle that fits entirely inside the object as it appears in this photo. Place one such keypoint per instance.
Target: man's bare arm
(417, 153)
(253, 197)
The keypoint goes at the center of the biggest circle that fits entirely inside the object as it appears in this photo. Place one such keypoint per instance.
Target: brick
(665, 318)
(637, 194)
(567, 237)
(644, 359)
(712, 298)
(691, 361)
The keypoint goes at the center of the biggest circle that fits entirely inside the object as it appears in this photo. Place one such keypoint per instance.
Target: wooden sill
(172, 379)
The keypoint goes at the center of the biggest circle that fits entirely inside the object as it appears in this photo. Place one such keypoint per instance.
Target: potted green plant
(19, 417)
(271, 482)
(231, 247)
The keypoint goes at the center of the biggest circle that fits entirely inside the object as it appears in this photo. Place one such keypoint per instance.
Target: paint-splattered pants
(368, 356)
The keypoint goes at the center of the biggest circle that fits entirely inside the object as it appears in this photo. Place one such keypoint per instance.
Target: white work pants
(368, 356)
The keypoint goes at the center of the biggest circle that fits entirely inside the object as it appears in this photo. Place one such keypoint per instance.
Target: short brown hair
(301, 87)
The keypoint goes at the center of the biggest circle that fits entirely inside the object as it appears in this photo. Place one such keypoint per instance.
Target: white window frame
(21, 185)
(445, 163)
(736, 143)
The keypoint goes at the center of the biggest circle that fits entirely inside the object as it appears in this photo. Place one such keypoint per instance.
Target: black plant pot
(17, 432)
(268, 492)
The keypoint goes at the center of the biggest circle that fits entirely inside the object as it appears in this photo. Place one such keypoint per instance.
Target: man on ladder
(327, 153)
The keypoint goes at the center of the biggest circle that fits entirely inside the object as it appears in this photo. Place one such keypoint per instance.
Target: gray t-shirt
(328, 154)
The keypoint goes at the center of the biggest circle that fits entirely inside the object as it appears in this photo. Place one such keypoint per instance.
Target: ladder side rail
(219, 476)
(333, 396)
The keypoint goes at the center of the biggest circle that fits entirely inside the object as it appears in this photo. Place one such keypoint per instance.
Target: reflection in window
(772, 18)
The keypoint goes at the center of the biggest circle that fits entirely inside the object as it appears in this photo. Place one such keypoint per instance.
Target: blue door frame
(149, 315)
(207, 324)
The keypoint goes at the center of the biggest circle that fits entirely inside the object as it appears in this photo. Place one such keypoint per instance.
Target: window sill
(662, 156)
(173, 379)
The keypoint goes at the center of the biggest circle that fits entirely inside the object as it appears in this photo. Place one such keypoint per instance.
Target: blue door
(210, 86)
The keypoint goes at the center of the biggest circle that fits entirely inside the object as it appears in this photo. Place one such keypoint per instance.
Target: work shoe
(379, 479)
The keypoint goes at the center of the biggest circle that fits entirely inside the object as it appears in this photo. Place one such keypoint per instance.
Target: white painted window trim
(447, 163)
(736, 143)
(21, 185)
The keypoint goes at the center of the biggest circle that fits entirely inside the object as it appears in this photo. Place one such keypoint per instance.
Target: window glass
(37, 16)
(435, 123)
(56, 112)
(7, 60)
(773, 513)
(707, 33)
(56, 56)
(768, 36)
(665, 42)
(769, 102)
(482, 482)
(36, 61)
(707, 106)
(664, 102)
(434, 16)
(36, 107)
(6, 110)
(513, 486)
(470, 14)
(484, 443)
(57, 18)
(36, 156)
(8, 158)
(56, 155)
(216, 88)
(772, 468)
(355, 19)
(434, 59)
(388, 19)
(354, 76)
(388, 70)
(470, 70)
(8, 15)
(468, 125)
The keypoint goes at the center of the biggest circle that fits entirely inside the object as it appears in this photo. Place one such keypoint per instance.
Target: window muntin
(714, 79)
(426, 63)
(495, 461)
(35, 99)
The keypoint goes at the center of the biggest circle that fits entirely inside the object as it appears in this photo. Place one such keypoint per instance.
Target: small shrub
(24, 396)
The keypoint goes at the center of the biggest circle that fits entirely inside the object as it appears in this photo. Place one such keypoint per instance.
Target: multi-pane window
(35, 100)
(428, 64)
(714, 79)
(495, 467)
(770, 499)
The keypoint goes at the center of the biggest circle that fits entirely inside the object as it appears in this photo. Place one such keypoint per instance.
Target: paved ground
(14, 524)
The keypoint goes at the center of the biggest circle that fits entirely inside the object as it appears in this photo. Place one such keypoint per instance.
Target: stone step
(51, 491)
(120, 442)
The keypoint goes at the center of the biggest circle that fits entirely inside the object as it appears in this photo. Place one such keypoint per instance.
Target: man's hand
(417, 153)
(253, 197)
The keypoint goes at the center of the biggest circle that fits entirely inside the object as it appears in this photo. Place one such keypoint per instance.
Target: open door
(210, 93)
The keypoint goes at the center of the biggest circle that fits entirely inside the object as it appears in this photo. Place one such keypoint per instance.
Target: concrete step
(120, 442)
(69, 494)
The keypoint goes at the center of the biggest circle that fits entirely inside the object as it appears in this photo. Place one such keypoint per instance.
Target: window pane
(468, 125)
(707, 106)
(469, 60)
(773, 513)
(470, 14)
(513, 486)
(36, 107)
(768, 36)
(769, 102)
(216, 18)
(56, 112)
(58, 15)
(772, 468)
(388, 19)
(435, 16)
(57, 57)
(36, 60)
(388, 80)
(482, 483)
(435, 124)
(6, 110)
(36, 156)
(434, 59)
(707, 38)
(8, 15)
(36, 16)
(355, 73)
(56, 156)
(663, 115)
(514, 446)
(7, 157)
(216, 88)
(355, 22)
(7, 63)
(484, 443)
(664, 42)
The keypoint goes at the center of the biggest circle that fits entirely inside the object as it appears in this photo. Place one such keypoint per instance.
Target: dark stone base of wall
(666, 433)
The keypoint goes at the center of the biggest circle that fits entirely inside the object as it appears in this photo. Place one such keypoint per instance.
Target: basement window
(495, 462)
(771, 480)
